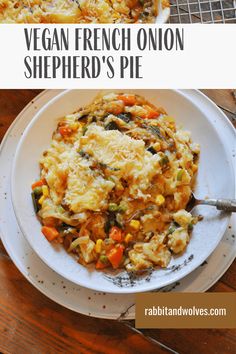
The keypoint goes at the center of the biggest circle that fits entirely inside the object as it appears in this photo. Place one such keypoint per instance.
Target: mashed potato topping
(115, 183)
(79, 11)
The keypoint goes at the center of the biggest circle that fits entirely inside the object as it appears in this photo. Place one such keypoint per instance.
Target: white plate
(211, 182)
(59, 289)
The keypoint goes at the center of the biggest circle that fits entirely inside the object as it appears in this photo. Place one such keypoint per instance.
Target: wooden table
(31, 323)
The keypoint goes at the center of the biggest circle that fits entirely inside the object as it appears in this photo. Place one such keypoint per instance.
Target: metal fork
(221, 204)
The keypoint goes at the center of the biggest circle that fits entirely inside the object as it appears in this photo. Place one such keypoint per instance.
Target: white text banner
(117, 56)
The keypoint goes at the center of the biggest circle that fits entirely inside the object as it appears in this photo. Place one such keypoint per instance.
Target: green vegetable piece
(164, 160)
(119, 221)
(122, 207)
(152, 150)
(126, 117)
(171, 230)
(37, 191)
(180, 175)
(35, 203)
(155, 130)
(104, 165)
(113, 207)
(111, 221)
(111, 126)
(110, 178)
(85, 128)
(61, 209)
(190, 227)
(103, 259)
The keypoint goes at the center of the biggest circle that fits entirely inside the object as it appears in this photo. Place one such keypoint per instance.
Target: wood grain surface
(31, 323)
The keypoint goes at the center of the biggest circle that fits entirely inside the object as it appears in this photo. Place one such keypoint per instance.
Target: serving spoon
(221, 204)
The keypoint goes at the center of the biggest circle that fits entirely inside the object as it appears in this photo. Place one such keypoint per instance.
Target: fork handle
(222, 204)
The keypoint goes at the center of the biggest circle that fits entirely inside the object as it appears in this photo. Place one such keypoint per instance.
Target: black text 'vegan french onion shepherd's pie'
(79, 11)
(115, 183)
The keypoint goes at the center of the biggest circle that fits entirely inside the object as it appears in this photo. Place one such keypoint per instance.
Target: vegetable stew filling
(115, 183)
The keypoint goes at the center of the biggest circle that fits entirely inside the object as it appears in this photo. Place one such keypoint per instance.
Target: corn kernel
(155, 123)
(74, 126)
(83, 140)
(98, 246)
(78, 125)
(135, 224)
(45, 191)
(81, 124)
(160, 200)
(41, 200)
(128, 238)
(157, 146)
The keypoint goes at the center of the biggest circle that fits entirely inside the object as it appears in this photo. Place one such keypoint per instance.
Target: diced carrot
(115, 256)
(115, 107)
(116, 234)
(49, 221)
(133, 4)
(129, 100)
(117, 110)
(151, 113)
(65, 130)
(39, 183)
(50, 232)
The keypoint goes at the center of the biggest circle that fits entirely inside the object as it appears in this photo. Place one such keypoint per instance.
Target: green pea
(122, 207)
(37, 191)
(103, 259)
(113, 207)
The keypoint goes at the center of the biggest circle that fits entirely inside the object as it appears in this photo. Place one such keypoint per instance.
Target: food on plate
(79, 11)
(115, 182)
